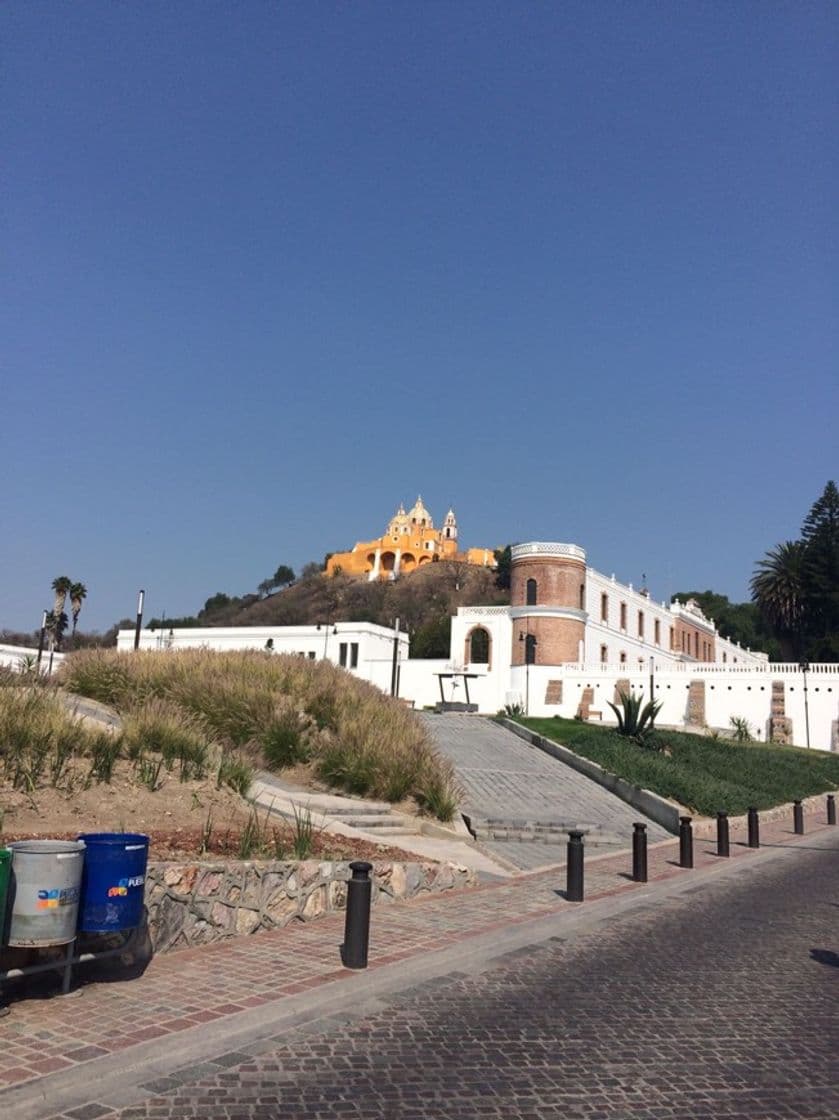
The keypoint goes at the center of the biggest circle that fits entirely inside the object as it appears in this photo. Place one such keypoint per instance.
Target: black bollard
(357, 924)
(574, 868)
(798, 818)
(831, 809)
(722, 834)
(639, 852)
(685, 842)
(754, 828)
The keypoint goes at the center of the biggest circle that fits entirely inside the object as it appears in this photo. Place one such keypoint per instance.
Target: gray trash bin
(45, 887)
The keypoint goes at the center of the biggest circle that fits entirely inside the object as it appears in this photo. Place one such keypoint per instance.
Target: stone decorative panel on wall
(779, 727)
(621, 686)
(696, 704)
(553, 693)
(587, 699)
(196, 903)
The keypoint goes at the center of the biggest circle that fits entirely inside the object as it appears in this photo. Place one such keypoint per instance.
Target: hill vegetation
(423, 601)
(252, 708)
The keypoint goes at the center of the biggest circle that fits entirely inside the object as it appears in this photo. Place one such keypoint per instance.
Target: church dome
(419, 515)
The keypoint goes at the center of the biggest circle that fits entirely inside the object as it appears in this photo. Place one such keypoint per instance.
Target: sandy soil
(177, 816)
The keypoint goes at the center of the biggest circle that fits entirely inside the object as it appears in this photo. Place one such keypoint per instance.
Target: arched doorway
(478, 647)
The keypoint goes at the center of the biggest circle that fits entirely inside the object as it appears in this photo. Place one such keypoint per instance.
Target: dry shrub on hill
(278, 710)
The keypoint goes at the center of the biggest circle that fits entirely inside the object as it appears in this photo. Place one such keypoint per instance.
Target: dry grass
(279, 711)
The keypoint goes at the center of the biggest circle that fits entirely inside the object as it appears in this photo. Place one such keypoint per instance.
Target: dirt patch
(184, 820)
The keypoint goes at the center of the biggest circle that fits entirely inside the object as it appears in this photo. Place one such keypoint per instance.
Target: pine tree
(820, 574)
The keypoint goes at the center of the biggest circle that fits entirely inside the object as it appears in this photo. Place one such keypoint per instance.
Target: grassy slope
(278, 710)
(704, 774)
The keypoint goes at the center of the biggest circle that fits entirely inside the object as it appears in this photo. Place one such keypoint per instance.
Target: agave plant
(635, 719)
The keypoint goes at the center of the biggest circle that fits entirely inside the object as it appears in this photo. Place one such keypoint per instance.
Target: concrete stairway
(542, 832)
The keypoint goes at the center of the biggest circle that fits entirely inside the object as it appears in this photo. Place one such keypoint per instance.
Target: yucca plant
(635, 719)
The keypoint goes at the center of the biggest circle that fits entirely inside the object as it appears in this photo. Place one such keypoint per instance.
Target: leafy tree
(283, 576)
(216, 602)
(312, 569)
(433, 638)
(503, 562)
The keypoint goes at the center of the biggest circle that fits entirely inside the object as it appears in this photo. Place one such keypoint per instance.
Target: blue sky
(271, 269)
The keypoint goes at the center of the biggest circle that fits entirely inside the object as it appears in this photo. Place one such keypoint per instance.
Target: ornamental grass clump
(278, 710)
(40, 739)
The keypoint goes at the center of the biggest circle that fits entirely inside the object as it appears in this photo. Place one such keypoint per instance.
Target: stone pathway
(509, 783)
(114, 1044)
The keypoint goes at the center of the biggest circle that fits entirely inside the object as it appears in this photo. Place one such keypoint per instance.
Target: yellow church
(409, 541)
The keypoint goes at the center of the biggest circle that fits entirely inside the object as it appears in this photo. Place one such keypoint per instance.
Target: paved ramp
(521, 802)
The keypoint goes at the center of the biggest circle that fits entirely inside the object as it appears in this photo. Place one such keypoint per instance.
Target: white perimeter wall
(12, 657)
(742, 692)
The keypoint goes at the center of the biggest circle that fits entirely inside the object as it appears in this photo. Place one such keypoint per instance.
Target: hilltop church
(409, 541)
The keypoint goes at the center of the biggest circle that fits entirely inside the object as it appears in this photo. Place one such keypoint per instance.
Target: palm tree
(778, 590)
(78, 593)
(60, 586)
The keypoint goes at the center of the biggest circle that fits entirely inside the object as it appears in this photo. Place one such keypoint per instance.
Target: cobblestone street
(721, 1000)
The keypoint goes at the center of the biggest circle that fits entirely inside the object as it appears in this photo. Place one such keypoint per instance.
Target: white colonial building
(569, 642)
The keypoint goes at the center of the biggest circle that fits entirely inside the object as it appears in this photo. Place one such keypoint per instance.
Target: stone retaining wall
(196, 903)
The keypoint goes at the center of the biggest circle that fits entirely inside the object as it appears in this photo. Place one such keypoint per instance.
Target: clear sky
(270, 269)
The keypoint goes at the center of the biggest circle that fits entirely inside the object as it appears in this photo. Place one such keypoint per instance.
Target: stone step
(351, 811)
(374, 824)
(542, 832)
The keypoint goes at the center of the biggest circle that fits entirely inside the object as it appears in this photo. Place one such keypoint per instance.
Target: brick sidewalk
(184, 990)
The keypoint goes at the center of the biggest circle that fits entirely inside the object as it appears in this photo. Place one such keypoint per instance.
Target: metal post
(831, 809)
(67, 977)
(357, 924)
(639, 852)
(41, 639)
(574, 868)
(141, 598)
(804, 666)
(798, 818)
(754, 828)
(394, 668)
(685, 842)
(722, 834)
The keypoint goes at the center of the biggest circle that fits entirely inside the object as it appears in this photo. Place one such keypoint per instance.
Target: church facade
(409, 541)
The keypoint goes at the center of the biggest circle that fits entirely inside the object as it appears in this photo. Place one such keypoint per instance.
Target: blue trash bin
(113, 882)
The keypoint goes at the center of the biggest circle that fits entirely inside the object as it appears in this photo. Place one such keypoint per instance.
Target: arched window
(582, 596)
(531, 593)
(530, 649)
(479, 643)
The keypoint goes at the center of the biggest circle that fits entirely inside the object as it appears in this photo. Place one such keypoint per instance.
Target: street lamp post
(804, 666)
(141, 598)
(394, 669)
(325, 626)
(529, 652)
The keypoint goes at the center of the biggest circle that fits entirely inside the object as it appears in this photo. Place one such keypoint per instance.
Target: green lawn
(704, 774)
